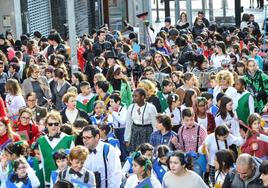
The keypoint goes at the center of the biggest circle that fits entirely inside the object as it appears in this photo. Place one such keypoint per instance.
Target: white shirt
(176, 119)
(203, 122)
(216, 59)
(71, 115)
(140, 116)
(13, 104)
(120, 118)
(219, 177)
(230, 92)
(133, 181)
(95, 163)
(250, 101)
(231, 122)
(211, 145)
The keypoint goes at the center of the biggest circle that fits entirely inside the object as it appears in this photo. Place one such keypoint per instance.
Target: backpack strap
(106, 149)
(183, 143)
(197, 138)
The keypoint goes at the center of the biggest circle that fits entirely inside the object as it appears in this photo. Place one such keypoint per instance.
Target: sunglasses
(55, 124)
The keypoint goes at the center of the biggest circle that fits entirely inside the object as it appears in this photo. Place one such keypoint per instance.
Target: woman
(6, 133)
(36, 83)
(189, 99)
(219, 55)
(257, 85)
(59, 87)
(177, 78)
(160, 63)
(225, 81)
(14, 99)
(142, 168)
(264, 173)
(189, 82)
(202, 116)
(140, 120)
(224, 162)
(120, 83)
(159, 45)
(227, 116)
(221, 139)
(183, 22)
(26, 127)
(180, 172)
(70, 114)
(77, 78)
(150, 89)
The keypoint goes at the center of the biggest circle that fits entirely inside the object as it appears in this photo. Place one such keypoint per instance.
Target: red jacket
(3, 112)
(80, 58)
(262, 147)
(31, 130)
(211, 122)
(5, 139)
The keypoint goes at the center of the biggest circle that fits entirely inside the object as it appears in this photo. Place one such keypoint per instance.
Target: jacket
(27, 86)
(81, 114)
(232, 179)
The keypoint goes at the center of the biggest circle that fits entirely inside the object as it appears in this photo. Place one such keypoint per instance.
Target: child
(35, 163)
(146, 149)
(164, 132)
(23, 176)
(102, 88)
(85, 99)
(107, 136)
(224, 162)
(119, 114)
(160, 163)
(61, 160)
(213, 83)
(99, 114)
(243, 102)
(13, 71)
(174, 111)
(142, 173)
(162, 95)
(209, 98)
(253, 146)
(76, 173)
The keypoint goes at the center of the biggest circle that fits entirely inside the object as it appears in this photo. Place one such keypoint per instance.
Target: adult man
(98, 47)
(38, 111)
(246, 174)
(103, 158)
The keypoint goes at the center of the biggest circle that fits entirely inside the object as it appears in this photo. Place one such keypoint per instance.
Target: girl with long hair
(14, 99)
(253, 146)
(142, 171)
(174, 111)
(180, 172)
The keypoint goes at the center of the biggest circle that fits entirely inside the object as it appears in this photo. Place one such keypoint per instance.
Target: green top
(46, 152)
(242, 109)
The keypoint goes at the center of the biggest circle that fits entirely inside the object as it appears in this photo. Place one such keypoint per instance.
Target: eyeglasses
(56, 124)
(26, 118)
(87, 137)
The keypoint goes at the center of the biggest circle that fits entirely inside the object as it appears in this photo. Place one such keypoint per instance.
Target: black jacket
(80, 115)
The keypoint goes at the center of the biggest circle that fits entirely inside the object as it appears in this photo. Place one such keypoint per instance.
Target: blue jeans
(119, 133)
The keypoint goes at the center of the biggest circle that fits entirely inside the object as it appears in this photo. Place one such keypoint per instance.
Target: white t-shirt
(203, 122)
(217, 59)
(211, 144)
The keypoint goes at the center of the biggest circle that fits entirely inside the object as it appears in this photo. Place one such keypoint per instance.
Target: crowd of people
(188, 110)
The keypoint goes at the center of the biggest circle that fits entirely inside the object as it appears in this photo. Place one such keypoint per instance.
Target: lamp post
(157, 12)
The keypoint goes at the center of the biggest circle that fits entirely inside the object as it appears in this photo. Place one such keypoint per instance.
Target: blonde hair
(99, 77)
(148, 86)
(79, 152)
(53, 115)
(67, 96)
(225, 75)
(12, 87)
